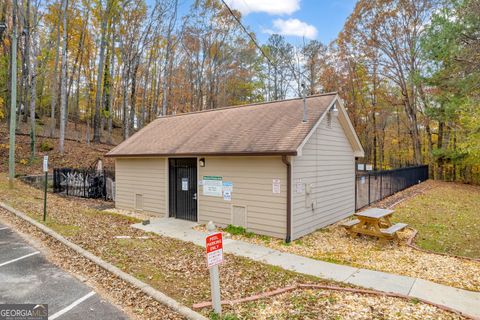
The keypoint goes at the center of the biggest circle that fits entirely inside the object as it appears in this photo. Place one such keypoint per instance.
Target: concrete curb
(154, 293)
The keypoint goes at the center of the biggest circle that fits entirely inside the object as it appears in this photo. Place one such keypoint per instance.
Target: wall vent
(239, 216)
(138, 201)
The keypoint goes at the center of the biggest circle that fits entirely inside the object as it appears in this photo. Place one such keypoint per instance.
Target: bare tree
(54, 86)
(63, 86)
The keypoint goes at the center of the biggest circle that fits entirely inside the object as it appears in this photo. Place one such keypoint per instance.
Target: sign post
(45, 169)
(214, 245)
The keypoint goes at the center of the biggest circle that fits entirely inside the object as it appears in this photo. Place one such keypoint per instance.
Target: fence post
(369, 187)
(104, 185)
(381, 185)
(67, 182)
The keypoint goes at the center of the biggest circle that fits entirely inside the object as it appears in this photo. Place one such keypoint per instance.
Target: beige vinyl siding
(327, 163)
(252, 179)
(141, 179)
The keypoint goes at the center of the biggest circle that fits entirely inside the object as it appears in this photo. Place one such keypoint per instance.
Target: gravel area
(333, 244)
(322, 304)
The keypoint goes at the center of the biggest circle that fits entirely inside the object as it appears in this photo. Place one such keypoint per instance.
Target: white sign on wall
(369, 167)
(227, 190)
(300, 187)
(227, 186)
(276, 185)
(212, 186)
(227, 195)
(361, 166)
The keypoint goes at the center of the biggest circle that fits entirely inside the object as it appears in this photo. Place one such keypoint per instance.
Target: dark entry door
(183, 188)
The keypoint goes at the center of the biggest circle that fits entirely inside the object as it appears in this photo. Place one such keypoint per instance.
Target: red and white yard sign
(214, 245)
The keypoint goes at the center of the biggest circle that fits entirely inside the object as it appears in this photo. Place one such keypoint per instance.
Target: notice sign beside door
(214, 246)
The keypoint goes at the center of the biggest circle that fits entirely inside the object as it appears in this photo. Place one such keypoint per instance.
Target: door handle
(194, 196)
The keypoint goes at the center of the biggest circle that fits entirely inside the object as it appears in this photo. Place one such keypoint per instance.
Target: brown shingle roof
(263, 128)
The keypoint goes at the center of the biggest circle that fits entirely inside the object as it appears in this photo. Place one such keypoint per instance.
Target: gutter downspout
(289, 198)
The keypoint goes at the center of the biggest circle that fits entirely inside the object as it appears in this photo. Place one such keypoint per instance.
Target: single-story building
(282, 168)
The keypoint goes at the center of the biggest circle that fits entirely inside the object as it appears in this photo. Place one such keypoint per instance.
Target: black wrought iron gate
(183, 188)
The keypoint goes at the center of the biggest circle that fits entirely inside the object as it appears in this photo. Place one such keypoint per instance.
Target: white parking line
(4, 228)
(22, 257)
(70, 307)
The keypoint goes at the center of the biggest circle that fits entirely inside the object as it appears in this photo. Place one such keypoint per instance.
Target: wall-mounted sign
(184, 184)
(369, 167)
(227, 190)
(227, 195)
(300, 187)
(212, 186)
(276, 185)
(228, 186)
(361, 167)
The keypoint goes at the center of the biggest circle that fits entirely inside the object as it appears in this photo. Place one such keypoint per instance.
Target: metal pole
(215, 279)
(304, 103)
(45, 197)
(13, 99)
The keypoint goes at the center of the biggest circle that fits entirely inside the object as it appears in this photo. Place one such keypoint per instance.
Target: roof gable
(346, 124)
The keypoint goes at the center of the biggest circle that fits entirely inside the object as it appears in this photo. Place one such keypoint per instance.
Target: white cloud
(273, 7)
(293, 27)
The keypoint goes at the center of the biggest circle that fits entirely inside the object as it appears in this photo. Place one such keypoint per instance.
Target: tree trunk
(63, 89)
(441, 127)
(133, 96)
(26, 62)
(109, 104)
(33, 95)
(125, 77)
(167, 59)
(55, 83)
(101, 62)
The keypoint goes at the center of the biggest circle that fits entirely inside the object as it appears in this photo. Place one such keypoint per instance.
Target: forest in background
(408, 70)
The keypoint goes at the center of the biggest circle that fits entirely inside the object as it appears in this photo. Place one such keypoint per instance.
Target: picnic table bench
(374, 222)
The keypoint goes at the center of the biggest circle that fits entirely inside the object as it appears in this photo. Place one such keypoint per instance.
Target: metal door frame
(172, 186)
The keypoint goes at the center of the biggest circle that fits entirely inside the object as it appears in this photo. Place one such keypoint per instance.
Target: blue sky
(297, 20)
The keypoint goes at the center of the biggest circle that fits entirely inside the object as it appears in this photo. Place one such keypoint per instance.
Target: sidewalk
(461, 300)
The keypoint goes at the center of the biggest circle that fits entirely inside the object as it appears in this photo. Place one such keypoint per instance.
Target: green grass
(238, 231)
(447, 218)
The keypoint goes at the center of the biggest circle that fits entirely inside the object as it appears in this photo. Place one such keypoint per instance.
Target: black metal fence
(372, 186)
(85, 183)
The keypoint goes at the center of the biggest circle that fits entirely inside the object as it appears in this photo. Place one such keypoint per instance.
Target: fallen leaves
(174, 267)
(333, 244)
(324, 304)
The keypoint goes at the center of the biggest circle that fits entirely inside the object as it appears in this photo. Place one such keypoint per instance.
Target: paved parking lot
(27, 277)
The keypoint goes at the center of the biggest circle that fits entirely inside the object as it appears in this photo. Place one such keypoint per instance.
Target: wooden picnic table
(374, 222)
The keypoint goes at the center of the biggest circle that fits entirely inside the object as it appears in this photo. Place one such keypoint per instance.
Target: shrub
(46, 146)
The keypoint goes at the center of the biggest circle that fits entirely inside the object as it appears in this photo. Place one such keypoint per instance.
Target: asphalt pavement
(27, 277)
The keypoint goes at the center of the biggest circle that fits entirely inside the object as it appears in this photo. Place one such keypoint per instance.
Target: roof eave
(224, 154)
